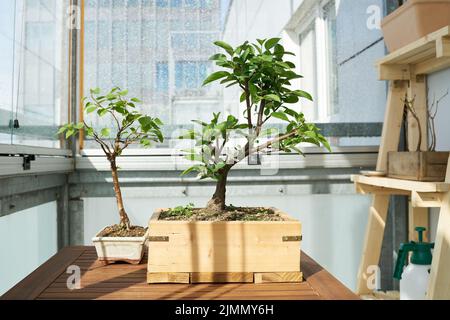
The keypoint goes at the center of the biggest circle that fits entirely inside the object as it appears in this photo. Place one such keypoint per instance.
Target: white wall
(438, 84)
(257, 19)
(333, 225)
(27, 239)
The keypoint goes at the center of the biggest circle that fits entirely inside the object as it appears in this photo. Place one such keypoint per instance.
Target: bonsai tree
(264, 77)
(131, 127)
(432, 110)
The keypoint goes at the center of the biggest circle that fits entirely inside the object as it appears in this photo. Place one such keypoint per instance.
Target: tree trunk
(124, 220)
(217, 202)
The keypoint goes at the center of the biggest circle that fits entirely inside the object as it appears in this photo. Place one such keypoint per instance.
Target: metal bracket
(27, 158)
(158, 239)
(292, 238)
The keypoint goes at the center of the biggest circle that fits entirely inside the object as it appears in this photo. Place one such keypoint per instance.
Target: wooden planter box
(418, 166)
(414, 20)
(229, 251)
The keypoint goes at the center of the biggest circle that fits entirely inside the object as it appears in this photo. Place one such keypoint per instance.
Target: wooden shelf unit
(407, 70)
(425, 56)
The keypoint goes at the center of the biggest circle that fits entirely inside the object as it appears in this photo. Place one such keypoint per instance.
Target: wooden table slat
(124, 281)
(36, 282)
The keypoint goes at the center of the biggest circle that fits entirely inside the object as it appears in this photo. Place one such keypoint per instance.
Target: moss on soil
(231, 213)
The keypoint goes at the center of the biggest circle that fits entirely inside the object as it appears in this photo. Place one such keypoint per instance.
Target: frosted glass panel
(158, 50)
(27, 239)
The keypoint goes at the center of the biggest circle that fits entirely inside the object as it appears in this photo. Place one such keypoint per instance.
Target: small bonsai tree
(432, 110)
(264, 77)
(131, 127)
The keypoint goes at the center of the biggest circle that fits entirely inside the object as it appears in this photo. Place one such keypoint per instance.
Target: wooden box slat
(418, 166)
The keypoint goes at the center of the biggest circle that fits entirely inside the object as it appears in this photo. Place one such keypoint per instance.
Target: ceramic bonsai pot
(414, 20)
(126, 249)
(225, 251)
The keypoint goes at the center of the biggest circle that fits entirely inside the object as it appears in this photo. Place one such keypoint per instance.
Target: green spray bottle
(414, 278)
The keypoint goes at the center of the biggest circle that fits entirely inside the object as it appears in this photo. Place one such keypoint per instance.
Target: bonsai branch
(432, 112)
(409, 106)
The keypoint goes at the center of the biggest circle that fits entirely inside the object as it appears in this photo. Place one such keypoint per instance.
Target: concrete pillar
(63, 216)
(76, 222)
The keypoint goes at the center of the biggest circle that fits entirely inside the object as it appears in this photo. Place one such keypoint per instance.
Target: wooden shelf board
(403, 185)
(424, 56)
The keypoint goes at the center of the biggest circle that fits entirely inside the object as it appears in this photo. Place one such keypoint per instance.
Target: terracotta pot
(414, 20)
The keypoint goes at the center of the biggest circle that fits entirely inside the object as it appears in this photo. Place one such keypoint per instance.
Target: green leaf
(91, 108)
(79, 125)
(102, 112)
(225, 46)
(272, 97)
(69, 133)
(89, 132)
(95, 91)
(243, 97)
(203, 124)
(158, 122)
(253, 89)
(145, 142)
(291, 99)
(193, 168)
(325, 143)
(215, 76)
(105, 132)
(136, 100)
(271, 43)
(62, 129)
(280, 115)
(123, 92)
(160, 136)
(303, 94)
(111, 96)
(297, 150)
(218, 56)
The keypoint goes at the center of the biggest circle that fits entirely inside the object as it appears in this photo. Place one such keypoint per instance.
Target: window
(308, 69)
(332, 63)
(391, 5)
(190, 74)
(33, 71)
(162, 77)
(162, 3)
(192, 3)
(157, 54)
(336, 59)
(175, 3)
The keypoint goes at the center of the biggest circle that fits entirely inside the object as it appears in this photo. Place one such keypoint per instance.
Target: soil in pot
(231, 213)
(118, 231)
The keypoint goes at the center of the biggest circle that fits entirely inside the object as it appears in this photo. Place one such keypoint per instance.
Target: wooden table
(124, 281)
